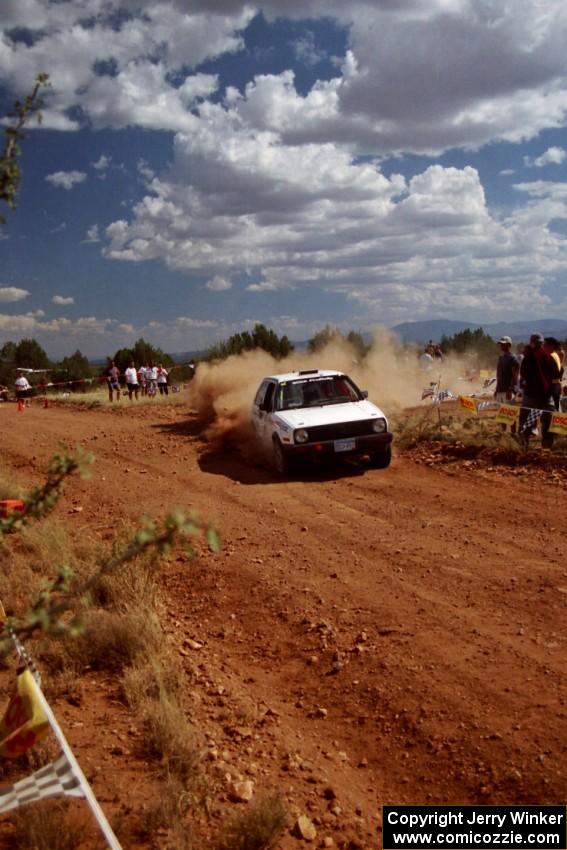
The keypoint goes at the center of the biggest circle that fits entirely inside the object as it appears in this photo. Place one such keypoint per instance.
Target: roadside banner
(24, 722)
(559, 423)
(467, 403)
(507, 414)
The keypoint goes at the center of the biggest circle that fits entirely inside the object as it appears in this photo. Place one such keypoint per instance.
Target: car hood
(330, 414)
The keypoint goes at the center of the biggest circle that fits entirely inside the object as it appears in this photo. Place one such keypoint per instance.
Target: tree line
(28, 354)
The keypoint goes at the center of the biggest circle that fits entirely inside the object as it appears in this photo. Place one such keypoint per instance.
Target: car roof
(304, 374)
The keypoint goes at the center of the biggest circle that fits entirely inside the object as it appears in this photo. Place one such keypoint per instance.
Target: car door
(262, 411)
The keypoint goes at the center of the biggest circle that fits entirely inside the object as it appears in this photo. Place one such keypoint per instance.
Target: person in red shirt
(537, 371)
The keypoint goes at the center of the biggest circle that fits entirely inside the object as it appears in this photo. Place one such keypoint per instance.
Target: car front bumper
(363, 445)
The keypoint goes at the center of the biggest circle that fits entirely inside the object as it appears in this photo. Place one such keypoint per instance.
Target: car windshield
(335, 389)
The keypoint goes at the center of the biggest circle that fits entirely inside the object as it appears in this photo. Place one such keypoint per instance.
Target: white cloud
(219, 284)
(62, 301)
(92, 234)
(66, 179)
(190, 323)
(102, 164)
(552, 156)
(11, 294)
(103, 66)
(312, 216)
(417, 76)
(307, 51)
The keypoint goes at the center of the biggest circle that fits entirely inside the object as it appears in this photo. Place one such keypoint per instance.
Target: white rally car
(318, 414)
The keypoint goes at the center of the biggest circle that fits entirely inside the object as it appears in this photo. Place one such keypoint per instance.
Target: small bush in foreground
(113, 641)
(148, 679)
(257, 828)
(169, 810)
(171, 737)
(47, 826)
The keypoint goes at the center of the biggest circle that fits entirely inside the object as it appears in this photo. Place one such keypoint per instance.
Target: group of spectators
(145, 380)
(432, 353)
(533, 377)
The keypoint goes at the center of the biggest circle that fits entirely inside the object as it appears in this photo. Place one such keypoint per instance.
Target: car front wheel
(282, 463)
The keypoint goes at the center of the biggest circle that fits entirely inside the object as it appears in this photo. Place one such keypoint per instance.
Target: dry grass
(172, 805)
(455, 427)
(170, 737)
(257, 828)
(134, 583)
(114, 641)
(48, 826)
(99, 398)
(149, 679)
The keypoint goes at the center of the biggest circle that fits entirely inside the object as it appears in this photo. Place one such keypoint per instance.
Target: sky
(203, 165)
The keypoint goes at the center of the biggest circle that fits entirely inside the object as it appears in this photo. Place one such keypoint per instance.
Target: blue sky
(203, 166)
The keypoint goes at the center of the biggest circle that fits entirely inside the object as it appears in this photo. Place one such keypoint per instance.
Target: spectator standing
(151, 378)
(507, 371)
(23, 390)
(537, 372)
(162, 380)
(551, 346)
(132, 385)
(143, 379)
(113, 381)
(426, 359)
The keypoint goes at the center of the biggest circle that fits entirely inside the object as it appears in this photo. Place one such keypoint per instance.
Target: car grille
(340, 430)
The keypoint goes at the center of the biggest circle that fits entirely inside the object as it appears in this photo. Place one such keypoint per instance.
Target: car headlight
(301, 436)
(379, 426)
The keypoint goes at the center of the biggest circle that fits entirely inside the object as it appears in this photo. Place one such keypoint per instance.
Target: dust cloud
(222, 392)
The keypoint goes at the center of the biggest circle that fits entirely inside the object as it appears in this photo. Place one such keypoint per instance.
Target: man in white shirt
(23, 390)
(151, 377)
(162, 380)
(132, 385)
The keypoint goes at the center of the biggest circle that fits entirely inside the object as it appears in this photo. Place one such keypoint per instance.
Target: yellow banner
(559, 423)
(507, 413)
(24, 722)
(467, 403)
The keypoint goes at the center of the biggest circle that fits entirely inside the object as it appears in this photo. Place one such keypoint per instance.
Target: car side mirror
(364, 393)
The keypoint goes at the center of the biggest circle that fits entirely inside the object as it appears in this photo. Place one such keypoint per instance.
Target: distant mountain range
(519, 331)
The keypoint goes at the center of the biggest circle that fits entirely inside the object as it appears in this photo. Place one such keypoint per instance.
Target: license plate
(345, 445)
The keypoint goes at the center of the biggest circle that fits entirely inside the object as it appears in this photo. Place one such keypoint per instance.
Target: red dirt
(396, 636)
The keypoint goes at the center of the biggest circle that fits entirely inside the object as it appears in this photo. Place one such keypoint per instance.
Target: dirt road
(377, 637)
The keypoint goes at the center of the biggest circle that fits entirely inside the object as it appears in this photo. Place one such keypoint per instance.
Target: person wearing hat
(537, 371)
(507, 371)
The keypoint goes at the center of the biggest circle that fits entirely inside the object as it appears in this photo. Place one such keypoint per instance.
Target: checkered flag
(530, 421)
(445, 394)
(26, 659)
(52, 780)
